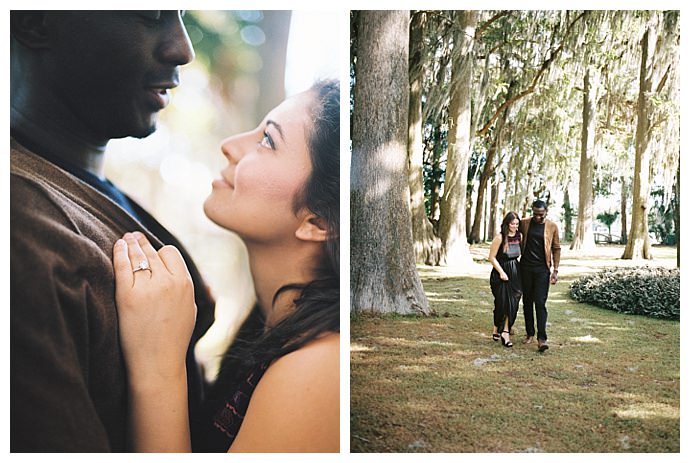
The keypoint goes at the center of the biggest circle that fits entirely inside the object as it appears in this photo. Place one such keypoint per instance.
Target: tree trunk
(529, 197)
(436, 173)
(276, 26)
(489, 168)
(427, 246)
(507, 196)
(638, 246)
(624, 210)
(567, 216)
(676, 214)
(468, 212)
(584, 234)
(492, 226)
(451, 224)
(383, 275)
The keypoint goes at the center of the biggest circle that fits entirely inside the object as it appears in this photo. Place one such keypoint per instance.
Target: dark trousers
(535, 290)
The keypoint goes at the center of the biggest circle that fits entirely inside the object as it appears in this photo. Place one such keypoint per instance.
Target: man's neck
(48, 140)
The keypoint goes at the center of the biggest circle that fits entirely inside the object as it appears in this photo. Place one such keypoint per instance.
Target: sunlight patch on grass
(648, 410)
(438, 325)
(354, 347)
(626, 396)
(462, 353)
(413, 368)
(402, 342)
(437, 299)
(587, 339)
(478, 362)
(617, 328)
(603, 325)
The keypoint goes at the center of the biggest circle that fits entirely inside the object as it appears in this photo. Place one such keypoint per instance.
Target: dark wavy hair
(317, 308)
(510, 216)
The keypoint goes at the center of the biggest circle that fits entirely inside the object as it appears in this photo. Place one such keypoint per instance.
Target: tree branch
(478, 33)
(535, 81)
(663, 80)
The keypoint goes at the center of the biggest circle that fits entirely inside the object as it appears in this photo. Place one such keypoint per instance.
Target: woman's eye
(267, 142)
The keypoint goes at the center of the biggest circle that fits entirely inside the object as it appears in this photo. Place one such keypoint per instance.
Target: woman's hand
(155, 307)
(504, 276)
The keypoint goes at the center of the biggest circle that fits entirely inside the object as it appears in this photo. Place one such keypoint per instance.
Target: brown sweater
(68, 390)
(552, 242)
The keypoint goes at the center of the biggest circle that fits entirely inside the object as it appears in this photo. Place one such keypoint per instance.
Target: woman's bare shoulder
(296, 402)
(318, 352)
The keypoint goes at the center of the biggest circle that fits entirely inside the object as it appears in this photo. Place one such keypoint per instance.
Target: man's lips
(159, 95)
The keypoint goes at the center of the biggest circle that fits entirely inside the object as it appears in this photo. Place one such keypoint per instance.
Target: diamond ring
(143, 265)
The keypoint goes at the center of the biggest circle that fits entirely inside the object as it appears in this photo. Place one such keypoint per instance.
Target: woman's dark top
(221, 418)
(507, 294)
(513, 249)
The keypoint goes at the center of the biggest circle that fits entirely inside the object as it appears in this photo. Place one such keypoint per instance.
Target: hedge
(650, 291)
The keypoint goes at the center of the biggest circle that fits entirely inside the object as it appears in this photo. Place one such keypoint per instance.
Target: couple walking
(535, 241)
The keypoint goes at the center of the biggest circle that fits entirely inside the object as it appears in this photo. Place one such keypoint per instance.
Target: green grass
(609, 382)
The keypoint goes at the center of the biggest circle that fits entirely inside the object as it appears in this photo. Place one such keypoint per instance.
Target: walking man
(541, 254)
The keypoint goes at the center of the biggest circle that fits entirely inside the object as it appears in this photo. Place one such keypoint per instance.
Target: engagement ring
(143, 265)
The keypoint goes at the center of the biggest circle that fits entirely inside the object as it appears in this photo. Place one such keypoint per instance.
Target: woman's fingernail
(120, 242)
(138, 235)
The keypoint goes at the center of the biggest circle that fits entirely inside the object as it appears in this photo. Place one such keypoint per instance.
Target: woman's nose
(234, 148)
(228, 150)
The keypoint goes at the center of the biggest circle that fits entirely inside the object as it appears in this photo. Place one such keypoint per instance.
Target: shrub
(654, 292)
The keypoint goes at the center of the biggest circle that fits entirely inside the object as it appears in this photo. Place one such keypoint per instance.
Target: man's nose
(177, 48)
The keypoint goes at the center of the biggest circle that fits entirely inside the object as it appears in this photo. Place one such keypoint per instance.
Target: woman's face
(267, 167)
(513, 226)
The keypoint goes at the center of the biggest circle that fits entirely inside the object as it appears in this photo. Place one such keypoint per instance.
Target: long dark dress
(507, 294)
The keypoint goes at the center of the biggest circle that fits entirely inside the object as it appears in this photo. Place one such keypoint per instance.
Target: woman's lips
(221, 183)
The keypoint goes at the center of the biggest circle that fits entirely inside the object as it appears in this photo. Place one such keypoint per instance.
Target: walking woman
(505, 279)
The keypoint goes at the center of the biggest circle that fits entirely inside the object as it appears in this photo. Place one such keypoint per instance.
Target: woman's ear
(312, 228)
(29, 28)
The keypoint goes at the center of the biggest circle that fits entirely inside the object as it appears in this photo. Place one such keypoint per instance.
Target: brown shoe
(542, 346)
(528, 340)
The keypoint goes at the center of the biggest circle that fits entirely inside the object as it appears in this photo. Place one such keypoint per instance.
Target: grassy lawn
(608, 383)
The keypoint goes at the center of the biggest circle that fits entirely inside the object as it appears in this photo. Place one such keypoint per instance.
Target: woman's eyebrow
(277, 126)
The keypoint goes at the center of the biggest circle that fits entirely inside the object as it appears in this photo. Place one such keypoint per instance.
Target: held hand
(155, 306)
(554, 277)
(504, 276)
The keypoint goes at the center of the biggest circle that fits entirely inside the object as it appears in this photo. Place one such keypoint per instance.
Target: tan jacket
(552, 242)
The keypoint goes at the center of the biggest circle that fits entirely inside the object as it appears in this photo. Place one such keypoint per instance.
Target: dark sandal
(495, 336)
(504, 342)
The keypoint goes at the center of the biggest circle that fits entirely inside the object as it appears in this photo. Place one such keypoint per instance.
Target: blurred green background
(246, 63)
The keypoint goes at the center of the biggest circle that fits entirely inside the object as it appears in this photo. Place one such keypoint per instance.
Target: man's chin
(145, 133)
(138, 131)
